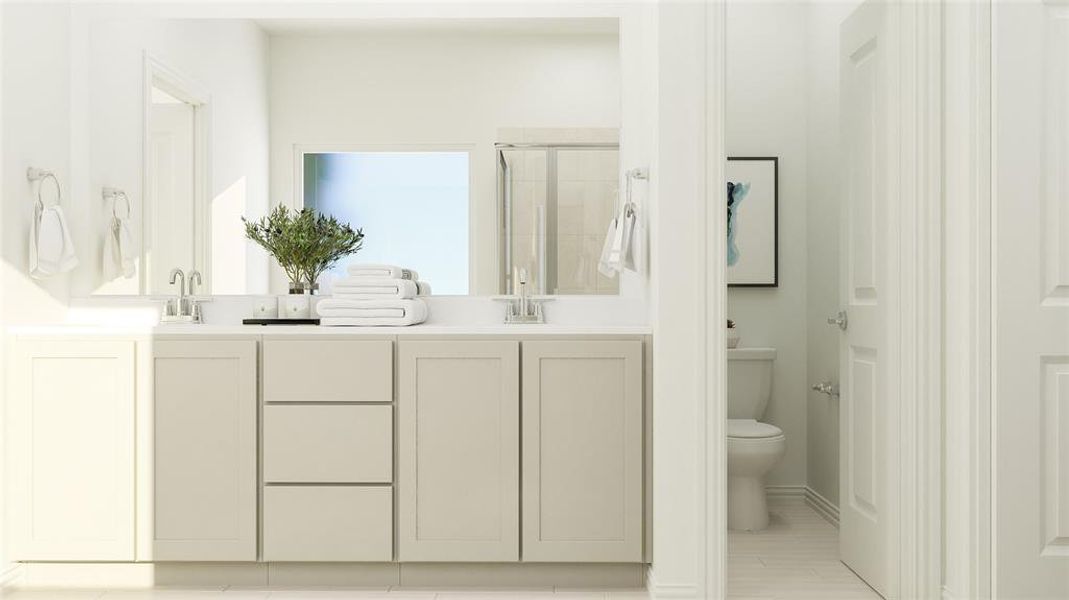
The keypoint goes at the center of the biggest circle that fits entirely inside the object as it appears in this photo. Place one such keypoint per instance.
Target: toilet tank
(749, 381)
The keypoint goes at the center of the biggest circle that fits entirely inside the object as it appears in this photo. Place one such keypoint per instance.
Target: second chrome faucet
(184, 307)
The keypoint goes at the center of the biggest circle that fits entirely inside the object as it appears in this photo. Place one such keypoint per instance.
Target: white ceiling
(514, 26)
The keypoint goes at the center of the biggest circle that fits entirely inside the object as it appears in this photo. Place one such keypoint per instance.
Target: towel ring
(632, 174)
(114, 194)
(39, 176)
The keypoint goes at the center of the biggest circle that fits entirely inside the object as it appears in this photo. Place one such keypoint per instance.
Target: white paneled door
(868, 88)
(1031, 137)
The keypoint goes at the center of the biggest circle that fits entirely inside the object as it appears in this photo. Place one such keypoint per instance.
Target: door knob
(839, 319)
(826, 387)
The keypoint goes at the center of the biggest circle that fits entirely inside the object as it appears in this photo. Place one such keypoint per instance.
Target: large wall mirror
(464, 149)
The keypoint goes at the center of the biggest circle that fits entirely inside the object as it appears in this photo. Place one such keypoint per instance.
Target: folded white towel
(381, 271)
(374, 288)
(393, 307)
(364, 313)
(51, 248)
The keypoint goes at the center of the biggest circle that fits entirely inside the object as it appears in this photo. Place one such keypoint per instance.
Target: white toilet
(753, 447)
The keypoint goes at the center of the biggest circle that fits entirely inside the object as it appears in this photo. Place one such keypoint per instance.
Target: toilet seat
(752, 429)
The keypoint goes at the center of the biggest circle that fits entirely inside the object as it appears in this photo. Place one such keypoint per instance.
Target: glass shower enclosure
(555, 203)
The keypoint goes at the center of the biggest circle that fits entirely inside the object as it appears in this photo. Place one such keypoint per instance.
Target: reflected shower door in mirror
(556, 203)
(413, 207)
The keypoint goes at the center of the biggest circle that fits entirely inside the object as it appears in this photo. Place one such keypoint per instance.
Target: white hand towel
(381, 271)
(51, 249)
(118, 250)
(608, 264)
(627, 258)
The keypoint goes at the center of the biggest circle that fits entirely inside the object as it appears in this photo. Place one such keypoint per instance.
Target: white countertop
(548, 329)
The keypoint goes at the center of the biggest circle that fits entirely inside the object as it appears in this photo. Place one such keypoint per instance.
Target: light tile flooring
(326, 594)
(796, 558)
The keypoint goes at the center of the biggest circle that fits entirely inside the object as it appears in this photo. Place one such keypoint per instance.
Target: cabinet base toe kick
(334, 574)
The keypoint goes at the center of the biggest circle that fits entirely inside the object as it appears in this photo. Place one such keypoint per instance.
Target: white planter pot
(265, 307)
(295, 306)
(733, 337)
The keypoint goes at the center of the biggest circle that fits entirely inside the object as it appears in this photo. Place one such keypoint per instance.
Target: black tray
(280, 322)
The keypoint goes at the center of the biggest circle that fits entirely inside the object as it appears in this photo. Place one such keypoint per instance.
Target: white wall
(766, 116)
(438, 88)
(36, 89)
(824, 191)
(678, 303)
(33, 131)
(227, 59)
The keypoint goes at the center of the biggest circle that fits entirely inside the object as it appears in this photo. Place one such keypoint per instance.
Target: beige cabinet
(338, 523)
(328, 444)
(71, 411)
(204, 488)
(582, 451)
(458, 464)
(328, 370)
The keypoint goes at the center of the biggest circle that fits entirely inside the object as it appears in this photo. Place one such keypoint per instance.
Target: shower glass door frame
(547, 254)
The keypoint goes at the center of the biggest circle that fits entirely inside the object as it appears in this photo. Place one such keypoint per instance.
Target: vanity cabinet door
(71, 417)
(582, 451)
(204, 406)
(458, 471)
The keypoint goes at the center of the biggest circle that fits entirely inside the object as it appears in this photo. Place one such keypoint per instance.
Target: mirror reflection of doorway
(175, 220)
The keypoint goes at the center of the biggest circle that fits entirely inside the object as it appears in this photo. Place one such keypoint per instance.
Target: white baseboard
(783, 492)
(656, 590)
(823, 507)
(10, 577)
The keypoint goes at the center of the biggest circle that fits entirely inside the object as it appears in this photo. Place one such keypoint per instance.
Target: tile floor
(796, 558)
(325, 594)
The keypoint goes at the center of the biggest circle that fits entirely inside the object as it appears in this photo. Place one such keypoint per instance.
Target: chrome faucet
(192, 302)
(182, 309)
(522, 308)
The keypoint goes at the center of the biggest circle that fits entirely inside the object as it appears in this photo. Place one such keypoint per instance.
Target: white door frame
(969, 290)
(918, 446)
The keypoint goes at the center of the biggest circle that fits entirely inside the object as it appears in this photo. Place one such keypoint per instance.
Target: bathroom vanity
(274, 452)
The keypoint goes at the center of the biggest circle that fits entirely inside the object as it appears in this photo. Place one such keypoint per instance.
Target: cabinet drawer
(328, 524)
(328, 444)
(328, 371)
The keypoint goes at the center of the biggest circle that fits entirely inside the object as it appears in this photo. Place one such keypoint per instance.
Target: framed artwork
(753, 221)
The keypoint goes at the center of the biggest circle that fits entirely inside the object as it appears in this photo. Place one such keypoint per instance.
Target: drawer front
(328, 371)
(328, 524)
(328, 444)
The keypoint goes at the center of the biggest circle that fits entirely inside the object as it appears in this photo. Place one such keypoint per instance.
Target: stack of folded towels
(375, 295)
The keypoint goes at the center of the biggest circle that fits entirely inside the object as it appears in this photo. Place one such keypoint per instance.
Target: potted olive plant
(305, 244)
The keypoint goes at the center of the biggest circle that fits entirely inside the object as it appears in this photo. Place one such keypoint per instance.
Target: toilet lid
(749, 428)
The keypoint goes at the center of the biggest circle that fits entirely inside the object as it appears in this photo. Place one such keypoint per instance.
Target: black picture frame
(775, 219)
